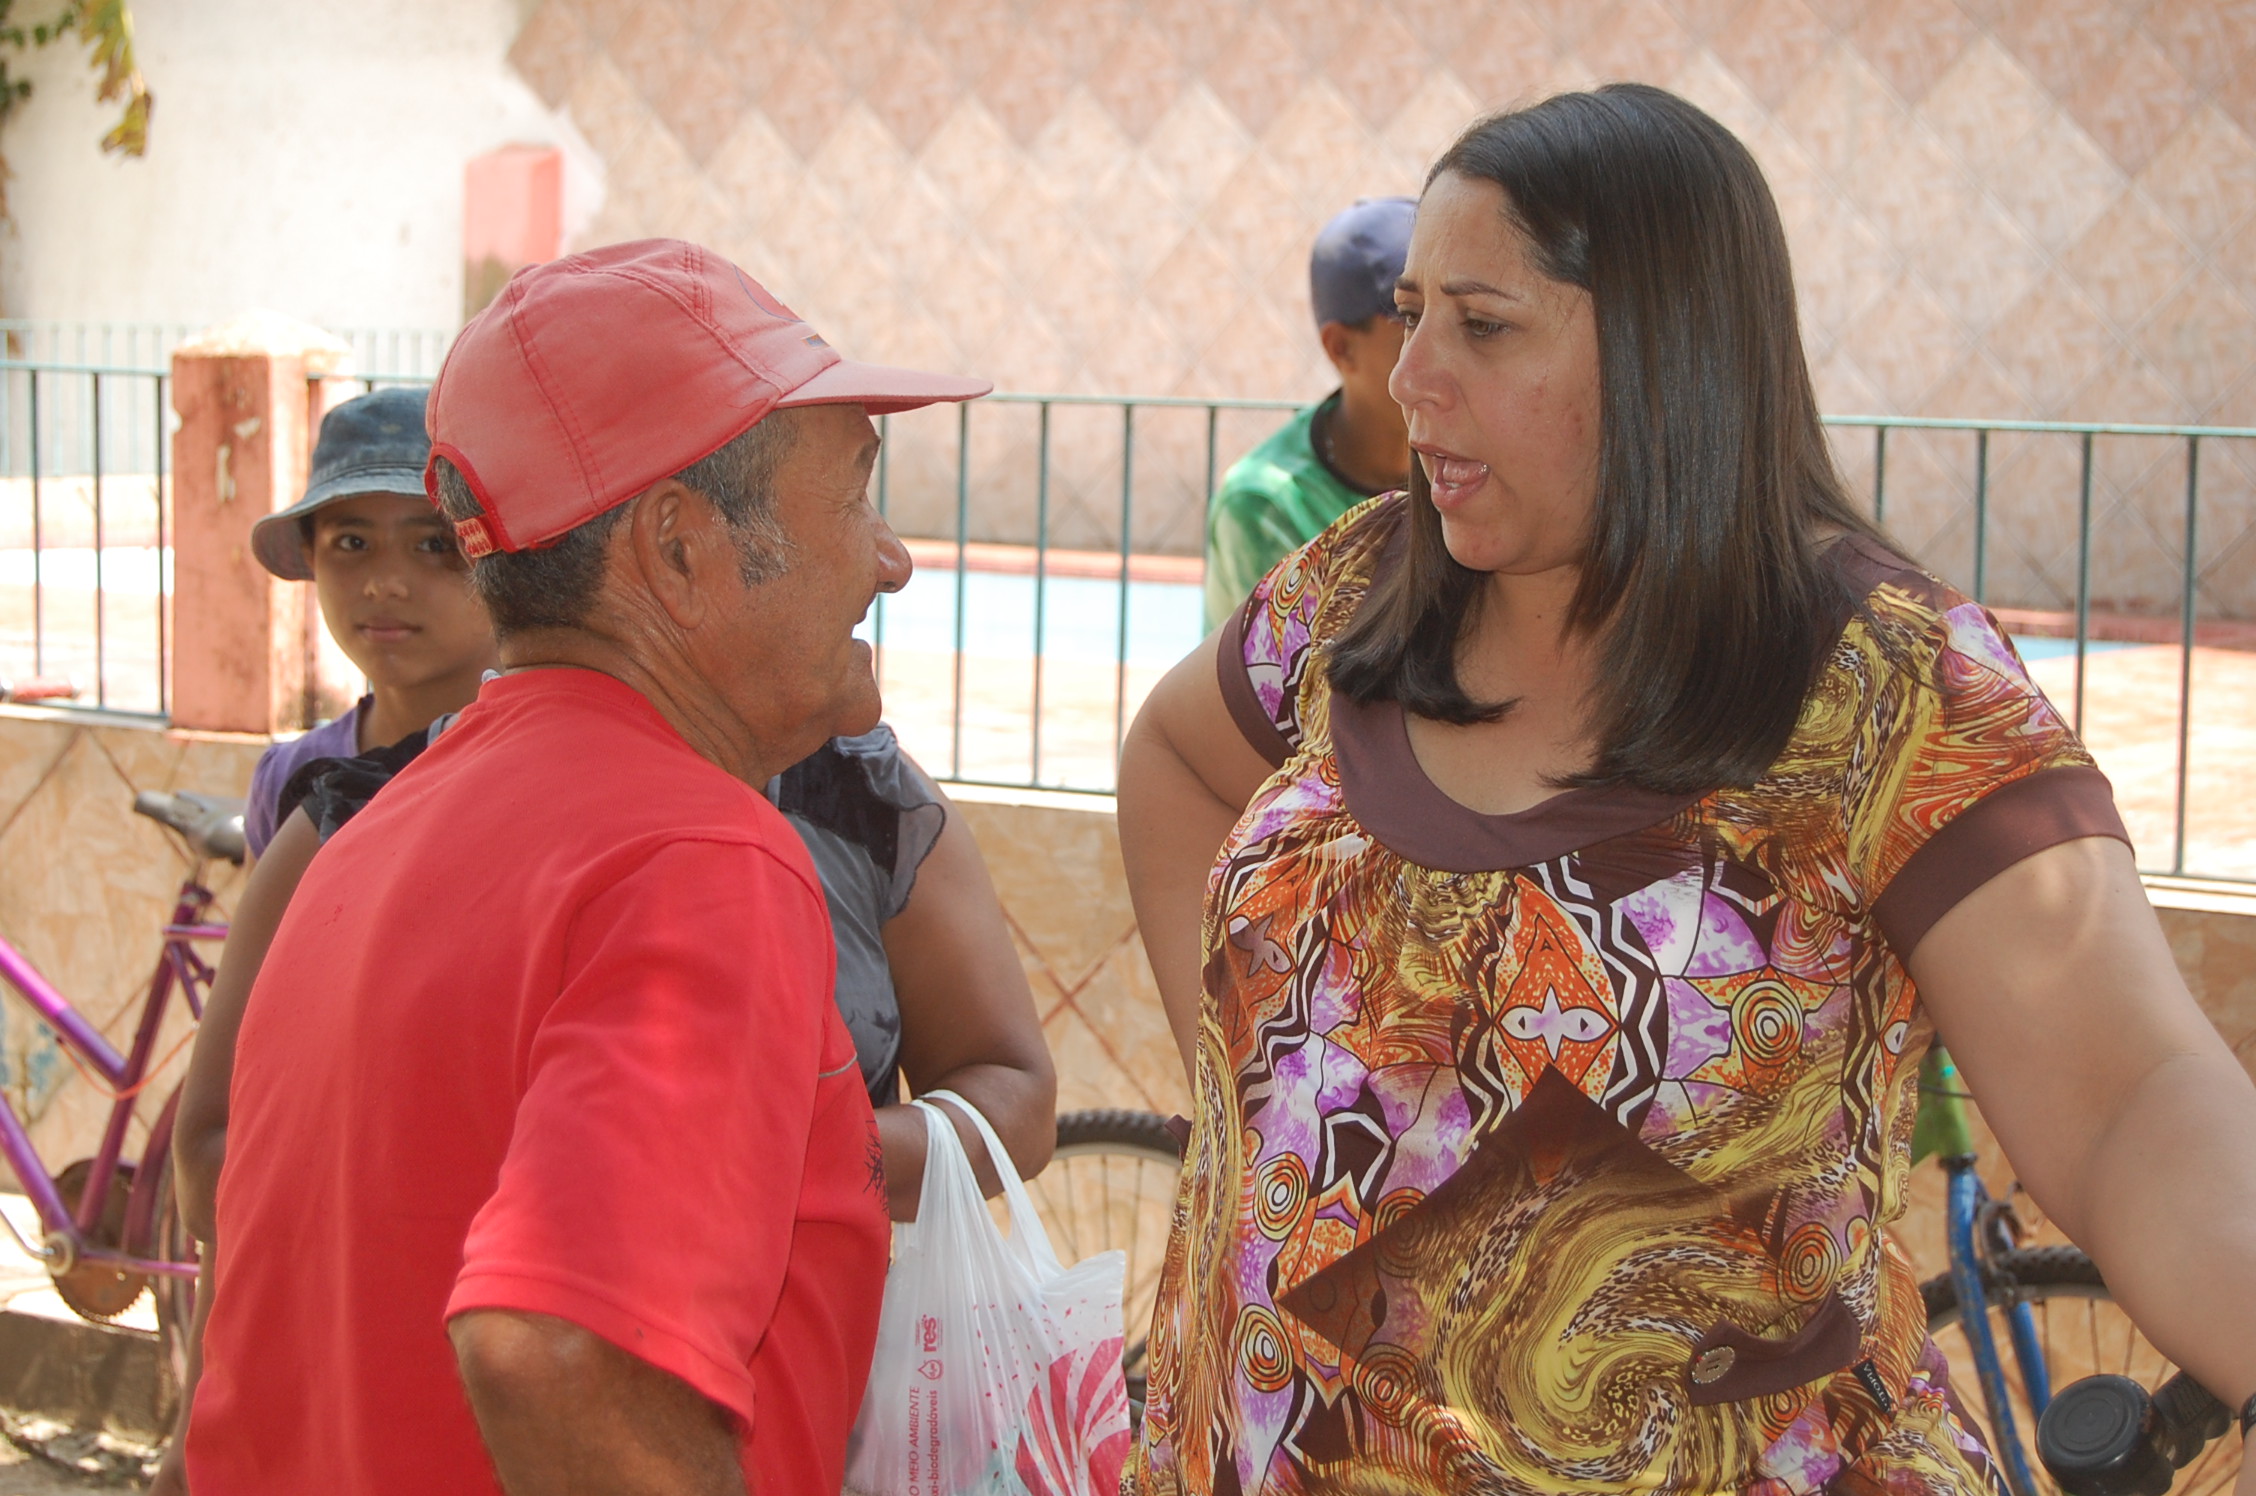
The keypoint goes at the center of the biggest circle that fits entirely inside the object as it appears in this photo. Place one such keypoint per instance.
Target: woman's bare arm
(199, 1138)
(1186, 774)
(2124, 1114)
(967, 1021)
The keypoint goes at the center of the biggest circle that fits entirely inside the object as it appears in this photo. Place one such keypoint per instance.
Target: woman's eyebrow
(1477, 288)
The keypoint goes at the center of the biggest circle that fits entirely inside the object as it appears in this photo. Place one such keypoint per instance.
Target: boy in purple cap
(1346, 447)
(393, 588)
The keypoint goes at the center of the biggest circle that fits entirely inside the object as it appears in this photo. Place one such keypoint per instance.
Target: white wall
(303, 156)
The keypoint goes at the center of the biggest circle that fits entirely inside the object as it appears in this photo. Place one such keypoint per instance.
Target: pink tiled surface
(2005, 208)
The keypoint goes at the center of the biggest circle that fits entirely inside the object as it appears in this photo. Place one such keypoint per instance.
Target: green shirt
(1273, 501)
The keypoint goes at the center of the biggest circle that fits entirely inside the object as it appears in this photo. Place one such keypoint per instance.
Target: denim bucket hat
(373, 443)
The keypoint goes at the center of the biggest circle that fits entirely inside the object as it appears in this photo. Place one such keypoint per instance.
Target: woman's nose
(1414, 380)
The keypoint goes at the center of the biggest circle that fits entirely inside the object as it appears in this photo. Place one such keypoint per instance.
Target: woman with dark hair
(1606, 827)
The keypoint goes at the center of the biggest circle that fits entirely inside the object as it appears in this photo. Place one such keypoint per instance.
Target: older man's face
(800, 677)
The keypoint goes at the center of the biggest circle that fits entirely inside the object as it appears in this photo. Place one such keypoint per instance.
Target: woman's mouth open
(1453, 479)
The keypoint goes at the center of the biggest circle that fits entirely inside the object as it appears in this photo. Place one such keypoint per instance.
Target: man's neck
(1369, 444)
(674, 691)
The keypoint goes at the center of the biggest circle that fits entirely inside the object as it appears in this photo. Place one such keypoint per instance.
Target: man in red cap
(549, 1161)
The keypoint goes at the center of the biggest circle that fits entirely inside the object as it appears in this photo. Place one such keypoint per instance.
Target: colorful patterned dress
(1553, 1151)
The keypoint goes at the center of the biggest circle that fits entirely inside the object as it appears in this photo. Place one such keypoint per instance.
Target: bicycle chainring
(99, 1291)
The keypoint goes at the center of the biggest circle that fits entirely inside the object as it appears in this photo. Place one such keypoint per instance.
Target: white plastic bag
(998, 1369)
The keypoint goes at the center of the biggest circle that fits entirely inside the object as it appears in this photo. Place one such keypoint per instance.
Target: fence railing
(1058, 544)
(85, 558)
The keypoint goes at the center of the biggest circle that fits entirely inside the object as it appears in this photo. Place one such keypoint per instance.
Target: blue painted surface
(1082, 618)
(1165, 619)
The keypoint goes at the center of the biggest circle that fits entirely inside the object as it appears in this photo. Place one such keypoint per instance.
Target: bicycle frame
(1946, 1130)
(68, 1233)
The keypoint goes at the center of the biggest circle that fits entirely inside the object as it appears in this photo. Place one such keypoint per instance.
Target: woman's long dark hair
(1702, 579)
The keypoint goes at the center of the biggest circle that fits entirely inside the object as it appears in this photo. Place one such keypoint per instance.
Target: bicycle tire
(175, 1298)
(2095, 1336)
(1111, 1183)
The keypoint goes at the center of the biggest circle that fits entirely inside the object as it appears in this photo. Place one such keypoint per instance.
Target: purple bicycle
(110, 1225)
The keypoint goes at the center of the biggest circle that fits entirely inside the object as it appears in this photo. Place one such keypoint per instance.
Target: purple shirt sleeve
(335, 739)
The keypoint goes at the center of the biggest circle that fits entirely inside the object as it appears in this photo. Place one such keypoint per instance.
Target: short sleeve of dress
(1967, 768)
(1272, 643)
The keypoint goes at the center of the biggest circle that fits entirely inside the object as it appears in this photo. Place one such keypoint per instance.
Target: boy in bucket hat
(569, 1179)
(1348, 446)
(393, 588)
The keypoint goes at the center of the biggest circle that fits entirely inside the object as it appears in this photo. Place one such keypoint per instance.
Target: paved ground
(25, 1290)
(24, 1474)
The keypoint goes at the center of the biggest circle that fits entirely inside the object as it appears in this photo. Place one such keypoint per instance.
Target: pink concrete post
(242, 653)
(512, 216)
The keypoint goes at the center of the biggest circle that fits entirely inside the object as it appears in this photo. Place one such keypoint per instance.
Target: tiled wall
(2002, 208)
(88, 887)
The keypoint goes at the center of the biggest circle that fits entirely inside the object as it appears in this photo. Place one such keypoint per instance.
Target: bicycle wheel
(1111, 1183)
(175, 1297)
(2081, 1331)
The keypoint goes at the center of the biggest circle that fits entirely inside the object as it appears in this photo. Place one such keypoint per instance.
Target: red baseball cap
(590, 378)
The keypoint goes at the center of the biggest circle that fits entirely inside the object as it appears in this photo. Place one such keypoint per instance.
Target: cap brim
(276, 540)
(882, 391)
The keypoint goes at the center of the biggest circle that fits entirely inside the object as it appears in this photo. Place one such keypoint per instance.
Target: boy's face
(395, 592)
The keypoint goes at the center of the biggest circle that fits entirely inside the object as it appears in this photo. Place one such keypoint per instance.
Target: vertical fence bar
(2188, 607)
(164, 563)
(38, 548)
(1213, 417)
(963, 525)
(1982, 514)
(101, 656)
(2083, 578)
(877, 608)
(1879, 475)
(1127, 539)
(1041, 588)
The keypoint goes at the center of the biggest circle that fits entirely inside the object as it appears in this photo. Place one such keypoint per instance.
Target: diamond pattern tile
(1378, 68)
(1771, 44)
(550, 51)
(1911, 43)
(1138, 81)
(914, 95)
(2133, 102)
(1996, 207)
(2203, 38)
(1256, 73)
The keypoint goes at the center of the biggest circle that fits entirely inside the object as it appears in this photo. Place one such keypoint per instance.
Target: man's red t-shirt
(548, 1027)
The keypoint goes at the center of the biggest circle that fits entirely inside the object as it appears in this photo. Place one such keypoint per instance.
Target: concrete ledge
(2201, 895)
(90, 1377)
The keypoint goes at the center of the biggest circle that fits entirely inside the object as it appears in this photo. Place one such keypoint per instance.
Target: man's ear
(671, 536)
(1338, 346)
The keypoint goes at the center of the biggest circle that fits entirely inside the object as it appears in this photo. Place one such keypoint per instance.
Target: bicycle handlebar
(2106, 1436)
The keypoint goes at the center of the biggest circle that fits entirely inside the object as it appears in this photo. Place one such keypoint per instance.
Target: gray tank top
(869, 819)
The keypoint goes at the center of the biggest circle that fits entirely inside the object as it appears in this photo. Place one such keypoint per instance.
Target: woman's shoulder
(1315, 588)
(1904, 617)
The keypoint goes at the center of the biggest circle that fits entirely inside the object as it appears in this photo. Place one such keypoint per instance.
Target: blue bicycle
(2047, 1320)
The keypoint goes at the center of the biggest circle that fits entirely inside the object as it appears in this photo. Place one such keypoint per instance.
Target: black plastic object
(2107, 1436)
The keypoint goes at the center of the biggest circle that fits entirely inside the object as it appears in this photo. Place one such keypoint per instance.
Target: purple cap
(1358, 258)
